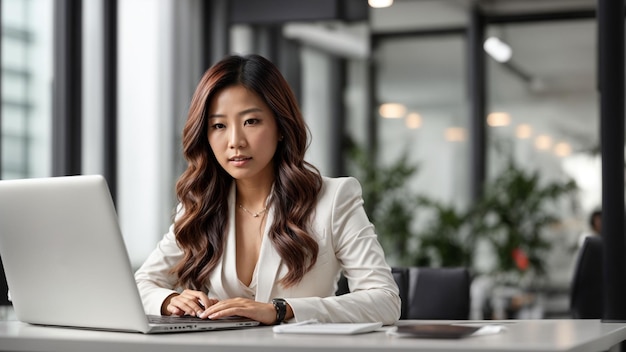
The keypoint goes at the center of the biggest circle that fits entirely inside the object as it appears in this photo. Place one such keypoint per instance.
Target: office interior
(458, 92)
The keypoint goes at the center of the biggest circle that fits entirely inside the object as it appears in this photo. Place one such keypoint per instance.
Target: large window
(26, 88)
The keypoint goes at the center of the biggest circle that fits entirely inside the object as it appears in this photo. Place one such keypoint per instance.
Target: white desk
(522, 335)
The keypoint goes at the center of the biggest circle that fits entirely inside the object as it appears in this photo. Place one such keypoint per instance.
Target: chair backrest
(438, 293)
(429, 293)
(4, 288)
(587, 290)
(401, 276)
(342, 286)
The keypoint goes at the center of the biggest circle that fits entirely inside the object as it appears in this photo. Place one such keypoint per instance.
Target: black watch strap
(280, 305)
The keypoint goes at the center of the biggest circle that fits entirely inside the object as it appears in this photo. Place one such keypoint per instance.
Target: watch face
(279, 301)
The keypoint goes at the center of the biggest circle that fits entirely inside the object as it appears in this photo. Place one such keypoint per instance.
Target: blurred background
(473, 126)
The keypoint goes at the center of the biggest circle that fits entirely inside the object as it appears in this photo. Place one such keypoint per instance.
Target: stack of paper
(315, 327)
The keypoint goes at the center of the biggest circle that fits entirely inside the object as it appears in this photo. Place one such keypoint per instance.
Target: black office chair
(438, 293)
(342, 286)
(429, 293)
(401, 276)
(4, 288)
(587, 290)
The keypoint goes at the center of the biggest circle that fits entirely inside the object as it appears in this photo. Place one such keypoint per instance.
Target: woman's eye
(217, 126)
(251, 122)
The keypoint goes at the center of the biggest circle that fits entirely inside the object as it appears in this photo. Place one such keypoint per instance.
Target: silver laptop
(66, 263)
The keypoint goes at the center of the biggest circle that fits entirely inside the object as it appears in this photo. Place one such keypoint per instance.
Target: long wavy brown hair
(204, 186)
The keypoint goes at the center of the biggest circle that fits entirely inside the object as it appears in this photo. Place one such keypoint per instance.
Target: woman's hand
(189, 302)
(261, 312)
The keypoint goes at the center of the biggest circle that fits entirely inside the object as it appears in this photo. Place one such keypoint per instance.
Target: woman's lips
(239, 160)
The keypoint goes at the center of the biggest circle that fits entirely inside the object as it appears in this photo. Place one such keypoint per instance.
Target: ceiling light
(562, 149)
(523, 131)
(497, 49)
(413, 120)
(543, 142)
(378, 4)
(455, 134)
(498, 119)
(392, 110)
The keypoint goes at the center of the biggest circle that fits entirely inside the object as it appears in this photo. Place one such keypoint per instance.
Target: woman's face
(243, 133)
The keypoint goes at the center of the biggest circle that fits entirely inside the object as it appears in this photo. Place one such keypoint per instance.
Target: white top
(347, 242)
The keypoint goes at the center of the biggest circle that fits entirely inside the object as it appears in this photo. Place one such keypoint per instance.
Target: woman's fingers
(262, 312)
(174, 310)
(198, 304)
(190, 302)
(185, 305)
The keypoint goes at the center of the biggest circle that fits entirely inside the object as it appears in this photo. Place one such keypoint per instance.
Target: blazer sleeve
(374, 292)
(154, 280)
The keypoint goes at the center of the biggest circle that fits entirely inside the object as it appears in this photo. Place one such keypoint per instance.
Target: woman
(258, 232)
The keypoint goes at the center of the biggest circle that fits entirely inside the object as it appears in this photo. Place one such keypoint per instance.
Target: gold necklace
(256, 215)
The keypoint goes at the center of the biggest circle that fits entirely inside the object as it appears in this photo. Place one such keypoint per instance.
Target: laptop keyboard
(173, 319)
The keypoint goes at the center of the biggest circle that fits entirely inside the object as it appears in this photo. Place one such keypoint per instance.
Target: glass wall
(26, 88)
(422, 114)
(426, 76)
(542, 127)
(544, 116)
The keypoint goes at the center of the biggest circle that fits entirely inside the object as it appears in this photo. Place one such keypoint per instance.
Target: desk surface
(521, 335)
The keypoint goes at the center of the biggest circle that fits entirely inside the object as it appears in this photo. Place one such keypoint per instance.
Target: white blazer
(347, 242)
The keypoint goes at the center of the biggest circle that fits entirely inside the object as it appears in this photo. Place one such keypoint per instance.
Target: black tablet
(436, 331)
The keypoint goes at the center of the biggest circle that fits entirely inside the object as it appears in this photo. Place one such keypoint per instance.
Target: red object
(520, 258)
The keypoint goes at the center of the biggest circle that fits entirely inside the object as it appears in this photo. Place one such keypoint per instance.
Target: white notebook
(315, 327)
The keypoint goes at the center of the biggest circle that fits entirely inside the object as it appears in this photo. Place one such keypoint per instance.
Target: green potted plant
(513, 215)
(393, 209)
(446, 239)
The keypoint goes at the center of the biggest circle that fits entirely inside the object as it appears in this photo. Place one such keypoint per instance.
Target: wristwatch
(281, 309)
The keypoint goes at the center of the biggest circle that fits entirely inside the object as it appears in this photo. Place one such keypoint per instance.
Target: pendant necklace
(256, 215)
